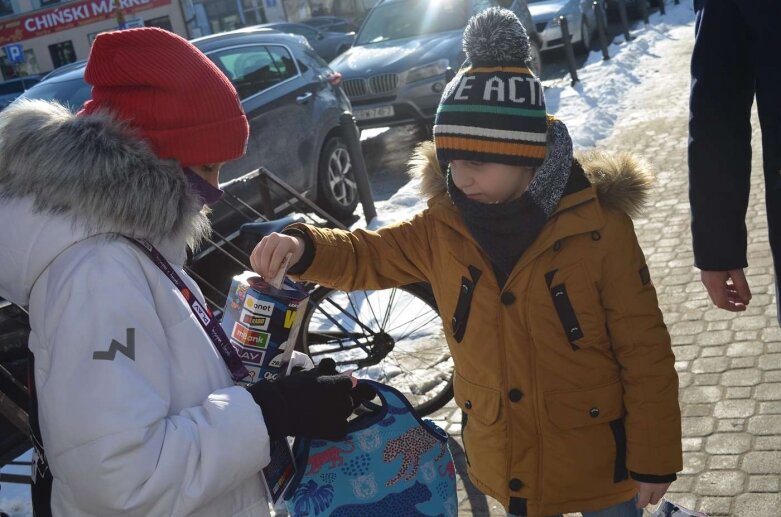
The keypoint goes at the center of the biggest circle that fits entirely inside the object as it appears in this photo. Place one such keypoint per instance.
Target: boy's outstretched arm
(643, 349)
(395, 255)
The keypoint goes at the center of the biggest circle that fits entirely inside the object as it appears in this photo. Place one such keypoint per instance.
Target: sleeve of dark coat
(722, 92)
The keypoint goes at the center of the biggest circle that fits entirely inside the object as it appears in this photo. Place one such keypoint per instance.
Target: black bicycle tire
(421, 291)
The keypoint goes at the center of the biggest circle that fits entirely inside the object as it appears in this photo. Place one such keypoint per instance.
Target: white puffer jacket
(160, 429)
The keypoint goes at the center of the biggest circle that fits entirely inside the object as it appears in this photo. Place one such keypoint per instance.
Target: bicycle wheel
(393, 336)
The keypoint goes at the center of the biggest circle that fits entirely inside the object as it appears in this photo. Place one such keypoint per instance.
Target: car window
(72, 93)
(29, 83)
(411, 18)
(255, 69)
(11, 87)
(314, 56)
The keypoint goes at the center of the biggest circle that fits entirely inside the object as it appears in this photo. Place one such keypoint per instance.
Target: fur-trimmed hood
(65, 178)
(622, 180)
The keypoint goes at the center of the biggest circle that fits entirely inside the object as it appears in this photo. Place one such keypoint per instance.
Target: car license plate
(371, 113)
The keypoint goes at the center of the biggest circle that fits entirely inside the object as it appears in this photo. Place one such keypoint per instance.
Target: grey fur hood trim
(622, 180)
(95, 172)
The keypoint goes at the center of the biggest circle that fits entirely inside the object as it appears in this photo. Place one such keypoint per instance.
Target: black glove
(311, 404)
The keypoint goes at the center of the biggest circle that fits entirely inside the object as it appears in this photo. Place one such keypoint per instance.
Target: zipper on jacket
(537, 391)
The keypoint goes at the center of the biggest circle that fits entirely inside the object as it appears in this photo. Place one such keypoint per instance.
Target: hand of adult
(650, 493)
(728, 290)
(312, 403)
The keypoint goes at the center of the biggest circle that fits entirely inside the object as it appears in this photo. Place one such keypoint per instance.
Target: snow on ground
(15, 498)
(590, 110)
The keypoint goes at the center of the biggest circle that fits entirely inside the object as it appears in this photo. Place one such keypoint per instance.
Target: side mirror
(320, 35)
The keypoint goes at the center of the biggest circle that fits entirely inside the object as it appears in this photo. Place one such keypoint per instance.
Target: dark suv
(293, 103)
(398, 66)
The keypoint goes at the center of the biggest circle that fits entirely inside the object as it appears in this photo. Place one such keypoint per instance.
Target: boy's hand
(650, 493)
(270, 252)
(727, 289)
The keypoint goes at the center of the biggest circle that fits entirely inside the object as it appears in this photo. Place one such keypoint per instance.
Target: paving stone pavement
(729, 365)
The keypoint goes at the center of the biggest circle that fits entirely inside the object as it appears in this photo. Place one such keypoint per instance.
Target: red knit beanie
(170, 92)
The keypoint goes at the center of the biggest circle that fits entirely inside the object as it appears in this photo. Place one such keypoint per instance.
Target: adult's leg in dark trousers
(767, 70)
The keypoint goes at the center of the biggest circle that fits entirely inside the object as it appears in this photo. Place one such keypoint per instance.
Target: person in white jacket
(137, 409)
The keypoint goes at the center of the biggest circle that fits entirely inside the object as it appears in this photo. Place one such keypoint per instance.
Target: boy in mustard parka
(564, 367)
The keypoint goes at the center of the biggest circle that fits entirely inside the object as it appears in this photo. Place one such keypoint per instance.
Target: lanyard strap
(202, 314)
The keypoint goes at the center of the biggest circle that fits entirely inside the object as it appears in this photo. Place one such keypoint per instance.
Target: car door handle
(303, 99)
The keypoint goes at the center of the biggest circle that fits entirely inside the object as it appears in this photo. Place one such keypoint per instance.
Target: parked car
(331, 23)
(581, 20)
(399, 64)
(13, 88)
(293, 103)
(327, 43)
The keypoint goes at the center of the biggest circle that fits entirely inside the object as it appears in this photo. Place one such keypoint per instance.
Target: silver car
(581, 20)
(399, 64)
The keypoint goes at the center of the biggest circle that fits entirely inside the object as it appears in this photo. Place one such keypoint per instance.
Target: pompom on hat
(169, 92)
(494, 109)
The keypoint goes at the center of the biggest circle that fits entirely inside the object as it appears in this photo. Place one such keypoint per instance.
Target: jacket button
(508, 298)
(465, 288)
(594, 412)
(468, 404)
(595, 235)
(515, 484)
(557, 246)
(515, 395)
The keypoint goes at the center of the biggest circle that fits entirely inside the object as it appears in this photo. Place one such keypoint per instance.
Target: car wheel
(535, 63)
(584, 45)
(337, 188)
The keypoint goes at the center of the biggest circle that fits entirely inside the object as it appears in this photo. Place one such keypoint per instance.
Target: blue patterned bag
(391, 463)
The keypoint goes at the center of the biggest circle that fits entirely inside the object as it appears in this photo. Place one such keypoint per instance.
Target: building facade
(53, 33)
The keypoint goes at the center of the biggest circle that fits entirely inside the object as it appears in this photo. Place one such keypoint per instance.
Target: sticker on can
(262, 307)
(254, 372)
(251, 356)
(248, 337)
(254, 321)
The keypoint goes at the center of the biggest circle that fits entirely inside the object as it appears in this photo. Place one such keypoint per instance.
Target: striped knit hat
(494, 109)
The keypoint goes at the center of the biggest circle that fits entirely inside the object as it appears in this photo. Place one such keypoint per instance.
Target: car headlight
(426, 71)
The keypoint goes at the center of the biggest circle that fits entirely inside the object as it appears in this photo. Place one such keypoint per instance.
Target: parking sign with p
(14, 53)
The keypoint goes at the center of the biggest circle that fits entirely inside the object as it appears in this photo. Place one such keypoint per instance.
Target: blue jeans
(627, 509)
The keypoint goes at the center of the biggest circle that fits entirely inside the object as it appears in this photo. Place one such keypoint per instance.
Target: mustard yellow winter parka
(566, 373)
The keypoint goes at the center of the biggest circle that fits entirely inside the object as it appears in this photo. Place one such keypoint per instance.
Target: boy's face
(487, 182)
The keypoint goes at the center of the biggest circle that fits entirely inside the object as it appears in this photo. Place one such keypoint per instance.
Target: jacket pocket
(483, 431)
(477, 402)
(585, 407)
